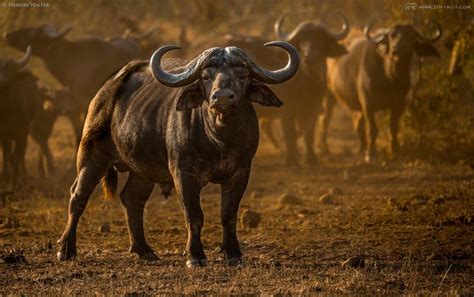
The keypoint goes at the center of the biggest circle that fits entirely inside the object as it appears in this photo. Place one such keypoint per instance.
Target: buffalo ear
(190, 96)
(262, 94)
(426, 49)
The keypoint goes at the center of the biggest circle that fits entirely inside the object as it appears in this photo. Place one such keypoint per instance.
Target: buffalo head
(10, 68)
(40, 38)
(313, 40)
(225, 78)
(402, 40)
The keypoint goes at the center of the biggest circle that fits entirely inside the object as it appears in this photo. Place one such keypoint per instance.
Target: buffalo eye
(206, 77)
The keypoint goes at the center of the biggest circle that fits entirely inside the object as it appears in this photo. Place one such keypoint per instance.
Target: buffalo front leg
(371, 132)
(289, 133)
(188, 189)
(134, 197)
(394, 120)
(91, 168)
(308, 125)
(19, 171)
(7, 161)
(45, 154)
(76, 122)
(359, 126)
(40, 164)
(232, 192)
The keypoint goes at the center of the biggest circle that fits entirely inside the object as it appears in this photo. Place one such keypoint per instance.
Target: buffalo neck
(397, 68)
(55, 59)
(229, 136)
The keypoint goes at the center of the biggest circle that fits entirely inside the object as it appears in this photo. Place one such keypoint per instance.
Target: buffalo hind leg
(232, 192)
(91, 167)
(324, 121)
(134, 197)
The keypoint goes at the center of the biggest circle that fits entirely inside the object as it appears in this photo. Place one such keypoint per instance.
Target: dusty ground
(411, 223)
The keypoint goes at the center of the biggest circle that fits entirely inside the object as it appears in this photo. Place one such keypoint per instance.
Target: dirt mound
(250, 219)
(289, 199)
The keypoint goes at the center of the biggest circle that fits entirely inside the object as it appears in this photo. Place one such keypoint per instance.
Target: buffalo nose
(222, 95)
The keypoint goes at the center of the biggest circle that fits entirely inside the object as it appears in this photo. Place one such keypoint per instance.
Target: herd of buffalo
(184, 123)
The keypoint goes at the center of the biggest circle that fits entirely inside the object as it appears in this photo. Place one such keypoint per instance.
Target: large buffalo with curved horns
(305, 93)
(179, 125)
(82, 64)
(375, 76)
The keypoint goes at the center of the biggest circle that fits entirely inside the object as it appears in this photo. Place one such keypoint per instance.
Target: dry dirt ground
(410, 224)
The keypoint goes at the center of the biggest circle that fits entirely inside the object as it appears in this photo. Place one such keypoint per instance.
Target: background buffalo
(397, 225)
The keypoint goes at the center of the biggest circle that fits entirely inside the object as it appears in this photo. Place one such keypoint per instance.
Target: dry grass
(411, 222)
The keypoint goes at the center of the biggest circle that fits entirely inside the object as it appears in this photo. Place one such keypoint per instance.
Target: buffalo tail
(109, 184)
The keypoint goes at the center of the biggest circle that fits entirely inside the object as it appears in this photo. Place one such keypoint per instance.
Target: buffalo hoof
(193, 263)
(234, 262)
(66, 251)
(63, 256)
(149, 257)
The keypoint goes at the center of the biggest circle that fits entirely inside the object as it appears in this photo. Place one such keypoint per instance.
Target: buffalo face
(9, 68)
(40, 38)
(225, 78)
(314, 41)
(402, 40)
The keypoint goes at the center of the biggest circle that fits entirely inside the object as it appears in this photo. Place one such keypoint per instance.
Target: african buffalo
(306, 91)
(182, 127)
(375, 76)
(19, 100)
(52, 106)
(82, 65)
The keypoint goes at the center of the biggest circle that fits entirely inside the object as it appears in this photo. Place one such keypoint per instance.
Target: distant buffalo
(52, 106)
(375, 76)
(306, 91)
(182, 126)
(303, 95)
(19, 102)
(82, 65)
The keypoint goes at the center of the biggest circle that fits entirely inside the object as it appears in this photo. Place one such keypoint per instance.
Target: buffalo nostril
(231, 96)
(5, 35)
